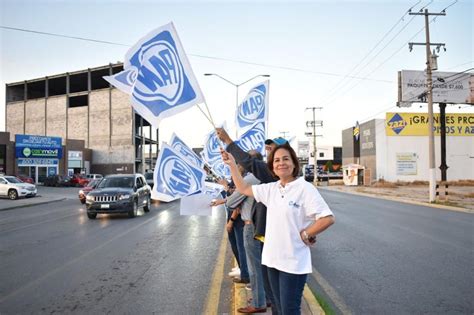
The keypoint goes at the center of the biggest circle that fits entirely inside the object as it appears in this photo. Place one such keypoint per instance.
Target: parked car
(79, 180)
(149, 179)
(124, 193)
(12, 187)
(87, 189)
(58, 181)
(26, 179)
(308, 173)
(94, 176)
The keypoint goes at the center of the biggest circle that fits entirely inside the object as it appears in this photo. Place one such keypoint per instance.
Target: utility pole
(429, 92)
(313, 124)
(284, 134)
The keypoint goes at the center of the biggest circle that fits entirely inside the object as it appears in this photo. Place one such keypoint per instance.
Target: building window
(78, 101)
(57, 86)
(78, 82)
(36, 89)
(97, 80)
(15, 93)
(321, 154)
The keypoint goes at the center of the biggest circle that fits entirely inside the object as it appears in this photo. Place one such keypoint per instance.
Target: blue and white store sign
(38, 147)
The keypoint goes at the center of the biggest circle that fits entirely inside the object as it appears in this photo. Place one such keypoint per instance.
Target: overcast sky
(307, 47)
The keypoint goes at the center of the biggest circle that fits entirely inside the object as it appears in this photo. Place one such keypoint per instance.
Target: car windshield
(149, 175)
(93, 183)
(13, 180)
(122, 182)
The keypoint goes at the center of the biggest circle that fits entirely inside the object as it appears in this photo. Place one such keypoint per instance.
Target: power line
(336, 87)
(198, 56)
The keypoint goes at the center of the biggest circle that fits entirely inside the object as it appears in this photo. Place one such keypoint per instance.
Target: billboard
(448, 87)
(28, 146)
(416, 124)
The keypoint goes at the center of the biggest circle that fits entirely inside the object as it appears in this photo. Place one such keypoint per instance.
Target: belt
(248, 222)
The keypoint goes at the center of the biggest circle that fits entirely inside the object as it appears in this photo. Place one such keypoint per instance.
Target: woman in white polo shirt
(296, 213)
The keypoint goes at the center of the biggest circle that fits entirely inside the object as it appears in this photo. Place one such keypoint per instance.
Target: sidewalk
(309, 304)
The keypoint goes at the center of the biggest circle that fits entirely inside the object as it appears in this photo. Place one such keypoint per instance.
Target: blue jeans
(253, 248)
(238, 229)
(287, 289)
(232, 241)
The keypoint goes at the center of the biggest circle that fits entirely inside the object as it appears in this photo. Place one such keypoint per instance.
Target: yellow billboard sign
(416, 124)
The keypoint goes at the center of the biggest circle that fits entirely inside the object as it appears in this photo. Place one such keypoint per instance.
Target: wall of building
(368, 148)
(56, 117)
(381, 147)
(459, 157)
(35, 117)
(15, 119)
(77, 123)
(348, 147)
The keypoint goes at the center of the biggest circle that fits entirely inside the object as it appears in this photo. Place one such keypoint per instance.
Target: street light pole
(314, 143)
(237, 85)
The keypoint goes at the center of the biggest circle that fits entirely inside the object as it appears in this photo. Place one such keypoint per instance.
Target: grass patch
(382, 183)
(448, 203)
(462, 182)
(324, 305)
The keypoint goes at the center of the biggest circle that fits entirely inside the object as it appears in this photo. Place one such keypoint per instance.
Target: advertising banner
(448, 87)
(28, 146)
(416, 124)
(407, 163)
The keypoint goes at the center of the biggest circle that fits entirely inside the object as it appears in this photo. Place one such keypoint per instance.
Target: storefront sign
(33, 162)
(416, 124)
(27, 146)
(407, 163)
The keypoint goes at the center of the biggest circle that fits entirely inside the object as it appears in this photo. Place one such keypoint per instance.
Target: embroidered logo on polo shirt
(294, 204)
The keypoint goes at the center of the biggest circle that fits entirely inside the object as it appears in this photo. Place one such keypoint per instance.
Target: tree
(329, 167)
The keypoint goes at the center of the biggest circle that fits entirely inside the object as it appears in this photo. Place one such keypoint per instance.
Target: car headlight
(122, 197)
(90, 198)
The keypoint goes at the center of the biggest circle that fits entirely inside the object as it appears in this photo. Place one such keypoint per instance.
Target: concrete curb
(32, 204)
(418, 203)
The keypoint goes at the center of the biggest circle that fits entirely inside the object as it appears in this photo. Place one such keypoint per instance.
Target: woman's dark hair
(293, 156)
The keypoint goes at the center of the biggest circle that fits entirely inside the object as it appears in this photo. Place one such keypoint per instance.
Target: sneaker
(235, 268)
(233, 274)
(248, 287)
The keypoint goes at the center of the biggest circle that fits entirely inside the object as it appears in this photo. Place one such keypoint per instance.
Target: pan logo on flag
(161, 76)
(213, 151)
(253, 139)
(252, 108)
(181, 179)
(127, 77)
(190, 155)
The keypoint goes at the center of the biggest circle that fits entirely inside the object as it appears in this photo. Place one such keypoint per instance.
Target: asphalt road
(384, 257)
(55, 260)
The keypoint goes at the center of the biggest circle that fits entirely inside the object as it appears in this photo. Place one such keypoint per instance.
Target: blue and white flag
(221, 169)
(179, 146)
(158, 76)
(211, 151)
(253, 139)
(254, 108)
(174, 176)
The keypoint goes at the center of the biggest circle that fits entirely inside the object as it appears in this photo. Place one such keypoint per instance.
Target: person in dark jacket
(261, 171)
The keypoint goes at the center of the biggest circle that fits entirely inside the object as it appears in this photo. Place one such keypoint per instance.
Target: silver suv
(12, 187)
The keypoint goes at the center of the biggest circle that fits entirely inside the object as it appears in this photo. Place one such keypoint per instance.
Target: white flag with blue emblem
(158, 76)
(211, 152)
(174, 176)
(179, 146)
(254, 108)
(253, 139)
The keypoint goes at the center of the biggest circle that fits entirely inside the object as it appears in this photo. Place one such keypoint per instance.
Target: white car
(94, 176)
(12, 187)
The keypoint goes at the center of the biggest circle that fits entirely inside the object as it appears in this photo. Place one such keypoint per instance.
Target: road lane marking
(331, 292)
(213, 296)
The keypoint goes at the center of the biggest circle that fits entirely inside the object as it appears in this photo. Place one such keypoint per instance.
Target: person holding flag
(296, 214)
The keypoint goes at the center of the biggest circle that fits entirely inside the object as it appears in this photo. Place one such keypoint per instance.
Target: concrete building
(396, 148)
(83, 106)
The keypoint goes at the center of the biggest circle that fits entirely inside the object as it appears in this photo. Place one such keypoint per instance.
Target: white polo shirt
(289, 210)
